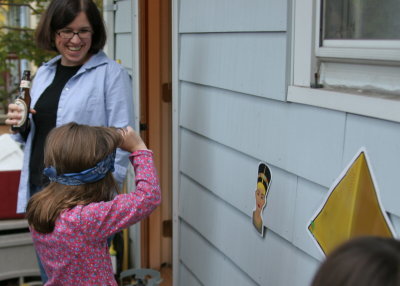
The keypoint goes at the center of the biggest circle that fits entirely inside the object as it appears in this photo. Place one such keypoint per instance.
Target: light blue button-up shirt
(99, 94)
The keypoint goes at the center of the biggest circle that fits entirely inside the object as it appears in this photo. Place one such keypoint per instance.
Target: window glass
(14, 16)
(361, 19)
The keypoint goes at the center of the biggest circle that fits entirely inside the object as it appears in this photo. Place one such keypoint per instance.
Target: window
(360, 20)
(14, 16)
(358, 29)
(346, 56)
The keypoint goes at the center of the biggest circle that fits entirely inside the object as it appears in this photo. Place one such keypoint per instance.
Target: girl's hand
(131, 141)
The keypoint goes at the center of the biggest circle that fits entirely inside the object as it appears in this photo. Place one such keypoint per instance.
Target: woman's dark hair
(372, 261)
(73, 148)
(60, 13)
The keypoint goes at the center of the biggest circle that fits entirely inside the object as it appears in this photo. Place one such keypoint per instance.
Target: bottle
(23, 101)
(113, 255)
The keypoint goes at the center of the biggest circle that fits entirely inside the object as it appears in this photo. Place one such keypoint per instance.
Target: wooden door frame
(156, 119)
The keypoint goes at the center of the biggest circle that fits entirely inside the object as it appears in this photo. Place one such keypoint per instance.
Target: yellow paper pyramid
(352, 209)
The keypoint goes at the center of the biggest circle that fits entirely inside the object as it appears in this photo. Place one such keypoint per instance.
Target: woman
(80, 84)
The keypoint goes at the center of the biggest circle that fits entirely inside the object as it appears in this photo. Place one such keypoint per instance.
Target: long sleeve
(118, 98)
(103, 219)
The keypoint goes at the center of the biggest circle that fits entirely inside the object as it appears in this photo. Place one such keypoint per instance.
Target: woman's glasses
(69, 34)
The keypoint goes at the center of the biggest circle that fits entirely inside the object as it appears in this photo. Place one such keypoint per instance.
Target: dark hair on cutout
(372, 261)
(60, 13)
(72, 148)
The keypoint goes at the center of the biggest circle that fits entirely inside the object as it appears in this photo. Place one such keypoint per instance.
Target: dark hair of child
(74, 155)
(364, 261)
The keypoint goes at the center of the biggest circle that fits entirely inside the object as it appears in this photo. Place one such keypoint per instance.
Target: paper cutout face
(261, 192)
(351, 209)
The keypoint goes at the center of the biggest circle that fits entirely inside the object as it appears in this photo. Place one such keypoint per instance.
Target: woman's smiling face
(74, 51)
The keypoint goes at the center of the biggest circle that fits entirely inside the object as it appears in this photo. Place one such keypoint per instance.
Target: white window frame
(371, 58)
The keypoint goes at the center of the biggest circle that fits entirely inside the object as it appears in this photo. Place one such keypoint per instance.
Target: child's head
(79, 161)
(73, 148)
(372, 261)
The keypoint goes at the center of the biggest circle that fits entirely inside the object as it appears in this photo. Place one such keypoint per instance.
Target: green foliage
(18, 42)
(21, 43)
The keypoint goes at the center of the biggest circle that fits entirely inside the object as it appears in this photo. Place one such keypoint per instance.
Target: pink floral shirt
(76, 252)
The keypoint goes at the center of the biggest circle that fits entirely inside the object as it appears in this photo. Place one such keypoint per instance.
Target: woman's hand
(14, 114)
(131, 141)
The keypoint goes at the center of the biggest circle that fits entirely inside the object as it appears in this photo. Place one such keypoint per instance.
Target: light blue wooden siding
(232, 82)
(232, 15)
(123, 14)
(381, 139)
(123, 51)
(232, 73)
(123, 34)
(251, 63)
(396, 222)
(213, 266)
(292, 137)
(238, 188)
(186, 277)
(309, 197)
(232, 234)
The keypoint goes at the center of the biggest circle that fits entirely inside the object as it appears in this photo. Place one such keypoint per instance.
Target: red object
(9, 182)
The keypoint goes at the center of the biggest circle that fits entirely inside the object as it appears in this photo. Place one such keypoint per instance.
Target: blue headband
(91, 175)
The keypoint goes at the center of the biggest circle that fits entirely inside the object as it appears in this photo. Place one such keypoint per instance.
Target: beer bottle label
(25, 84)
(24, 112)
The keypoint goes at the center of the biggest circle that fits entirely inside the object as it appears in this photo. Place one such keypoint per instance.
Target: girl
(71, 219)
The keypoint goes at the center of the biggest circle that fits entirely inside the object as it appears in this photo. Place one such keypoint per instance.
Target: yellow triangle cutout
(351, 209)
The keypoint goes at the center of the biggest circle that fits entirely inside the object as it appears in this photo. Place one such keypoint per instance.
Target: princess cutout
(261, 192)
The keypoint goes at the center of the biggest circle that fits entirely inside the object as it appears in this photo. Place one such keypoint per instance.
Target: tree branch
(19, 5)
(20, 29)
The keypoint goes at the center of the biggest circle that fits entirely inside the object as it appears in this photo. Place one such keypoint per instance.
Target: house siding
(123, 34)
(251, 63)
(232, 73)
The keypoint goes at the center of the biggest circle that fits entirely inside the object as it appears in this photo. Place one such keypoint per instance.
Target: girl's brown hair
(73, 148)
(60, 13)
